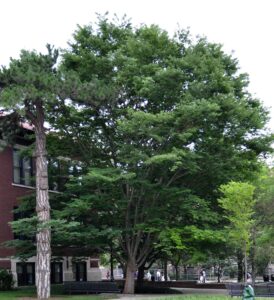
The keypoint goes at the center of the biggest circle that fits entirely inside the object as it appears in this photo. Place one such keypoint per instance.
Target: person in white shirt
(158, 275)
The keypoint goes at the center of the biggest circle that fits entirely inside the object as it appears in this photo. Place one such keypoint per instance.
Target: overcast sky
(243, 26)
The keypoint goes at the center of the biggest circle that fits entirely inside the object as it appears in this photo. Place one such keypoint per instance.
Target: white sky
(243, 26)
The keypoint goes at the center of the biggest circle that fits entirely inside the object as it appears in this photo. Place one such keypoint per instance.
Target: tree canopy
(179, 124)
(155, 124)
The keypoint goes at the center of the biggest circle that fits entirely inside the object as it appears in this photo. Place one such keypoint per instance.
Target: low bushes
(6, 280)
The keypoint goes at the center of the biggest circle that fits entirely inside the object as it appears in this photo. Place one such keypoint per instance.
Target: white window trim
(32, 188)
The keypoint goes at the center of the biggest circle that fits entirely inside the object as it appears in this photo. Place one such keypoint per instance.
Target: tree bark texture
(43, 236)
(130, 278)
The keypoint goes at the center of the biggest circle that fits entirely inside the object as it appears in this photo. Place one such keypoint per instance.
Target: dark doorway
(80, 271)
(56, 275)
(25, 273)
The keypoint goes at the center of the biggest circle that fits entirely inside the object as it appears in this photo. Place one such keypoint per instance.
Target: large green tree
(181, 124)
(157, 125)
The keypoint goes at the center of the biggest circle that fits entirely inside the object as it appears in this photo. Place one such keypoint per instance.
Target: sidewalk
(184, 291)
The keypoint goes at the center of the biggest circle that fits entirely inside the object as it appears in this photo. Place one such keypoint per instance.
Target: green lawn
(198, 297)
(205, 297)
(56, 293)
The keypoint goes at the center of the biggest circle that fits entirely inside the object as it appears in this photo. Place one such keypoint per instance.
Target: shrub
(6, 280)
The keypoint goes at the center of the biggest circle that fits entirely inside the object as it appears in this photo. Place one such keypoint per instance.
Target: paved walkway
(184, 291)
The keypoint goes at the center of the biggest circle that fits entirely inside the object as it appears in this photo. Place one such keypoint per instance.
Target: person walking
(158, 275)
(204, 275)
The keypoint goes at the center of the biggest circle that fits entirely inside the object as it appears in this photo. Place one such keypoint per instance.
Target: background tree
(238, 203)
(262, 233)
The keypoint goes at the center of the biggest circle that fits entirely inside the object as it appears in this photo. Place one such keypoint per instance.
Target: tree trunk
(245, 263)
(111, 264)
(176, 272)
(165, 269)
(141, 275)
(43, 236)
(252, 256)
(130, 278)
(240, 266)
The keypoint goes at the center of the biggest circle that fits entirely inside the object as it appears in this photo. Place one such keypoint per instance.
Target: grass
(204, 297)
(57, 292)
(198, 297)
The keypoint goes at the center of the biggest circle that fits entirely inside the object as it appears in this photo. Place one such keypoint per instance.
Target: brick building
(16, 175)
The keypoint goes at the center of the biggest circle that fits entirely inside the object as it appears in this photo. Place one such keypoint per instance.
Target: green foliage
(157, 124)
(27, 79)
(238, 203)
(179, 125)
(263, 229)
(6, 280)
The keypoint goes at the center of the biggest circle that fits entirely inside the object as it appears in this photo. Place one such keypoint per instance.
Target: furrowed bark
(43, 236)
(130, 280)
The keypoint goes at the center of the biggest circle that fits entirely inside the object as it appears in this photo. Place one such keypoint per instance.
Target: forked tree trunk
(43, 236)
(130, 278)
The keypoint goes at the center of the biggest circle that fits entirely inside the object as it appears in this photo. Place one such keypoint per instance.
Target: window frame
(22, 168)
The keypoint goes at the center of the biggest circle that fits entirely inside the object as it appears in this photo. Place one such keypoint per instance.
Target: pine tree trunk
(43, 236)
(130, 278)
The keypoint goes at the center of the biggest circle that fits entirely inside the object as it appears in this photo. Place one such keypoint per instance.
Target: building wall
(93, 273)
(10, 194)
(9, 198)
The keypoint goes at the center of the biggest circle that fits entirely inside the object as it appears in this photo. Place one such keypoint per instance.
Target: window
(25, 273)
(79, 270)
(56, 272)
(22, 169)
